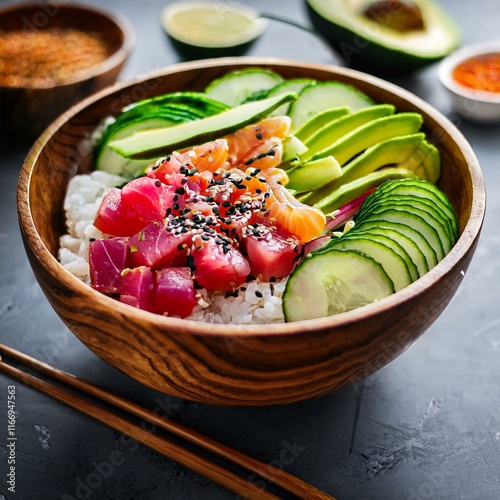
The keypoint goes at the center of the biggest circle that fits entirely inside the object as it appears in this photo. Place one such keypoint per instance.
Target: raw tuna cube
(145, 196)
(107, 259)
(271, 255)
(138, 288)
(175, 294)
(155, 247)
(219, 266)
(116, 218)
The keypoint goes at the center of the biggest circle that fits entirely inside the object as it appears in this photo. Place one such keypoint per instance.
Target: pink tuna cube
(138, 288)
(107, 259)
(175, 294)
(155, 247)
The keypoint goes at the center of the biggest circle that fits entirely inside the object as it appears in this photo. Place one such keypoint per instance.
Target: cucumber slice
(370, 134)
(423, 189)
(196, 102)
(326, 95)
(316, 122)
(113, 163)
(405, 216)
(329, 134)
(236, 86)
(427, 206)
(333, 282)
(393, 243)
(394, 265)
(155, 143)
(292, 85)
(415, 254)
(421, 243)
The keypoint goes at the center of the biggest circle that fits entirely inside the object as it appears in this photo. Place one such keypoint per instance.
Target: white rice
(255, 302)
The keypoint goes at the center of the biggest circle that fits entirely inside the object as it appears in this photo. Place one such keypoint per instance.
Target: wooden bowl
(229, 364)
(27, 109)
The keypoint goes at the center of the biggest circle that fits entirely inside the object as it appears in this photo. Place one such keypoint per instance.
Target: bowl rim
(448, 64)
(119, 56)
(469, 235)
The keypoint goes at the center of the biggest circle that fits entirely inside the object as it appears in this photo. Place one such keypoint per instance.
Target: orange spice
(479, 73)
(46, 57)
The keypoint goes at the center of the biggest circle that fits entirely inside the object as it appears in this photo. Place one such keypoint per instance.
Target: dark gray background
(425, 426)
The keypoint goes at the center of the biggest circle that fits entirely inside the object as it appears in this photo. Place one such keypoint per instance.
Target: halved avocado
(385, 36)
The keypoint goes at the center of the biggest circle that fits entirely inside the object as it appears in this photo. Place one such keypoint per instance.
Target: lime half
(212, 25)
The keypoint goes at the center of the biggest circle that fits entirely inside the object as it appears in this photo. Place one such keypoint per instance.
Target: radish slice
(346, 212)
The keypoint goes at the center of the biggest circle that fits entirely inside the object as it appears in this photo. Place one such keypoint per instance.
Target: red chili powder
(479, 73)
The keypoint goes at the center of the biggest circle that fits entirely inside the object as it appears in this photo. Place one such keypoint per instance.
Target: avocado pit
(398, 15)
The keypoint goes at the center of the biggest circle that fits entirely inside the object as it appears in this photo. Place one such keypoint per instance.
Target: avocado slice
(385, 36)
(313, 174)
(351, 190)
(370, 134)
(153, 143)
(327, 135)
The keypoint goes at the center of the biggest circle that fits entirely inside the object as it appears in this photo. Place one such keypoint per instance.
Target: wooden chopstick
(189, 459)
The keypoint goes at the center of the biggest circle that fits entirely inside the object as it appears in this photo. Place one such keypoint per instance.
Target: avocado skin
(365, 55)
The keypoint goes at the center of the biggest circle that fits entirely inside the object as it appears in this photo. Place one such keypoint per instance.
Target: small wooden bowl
(26, 110)
(229, 364)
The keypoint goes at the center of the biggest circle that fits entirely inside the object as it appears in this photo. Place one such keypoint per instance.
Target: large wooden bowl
(225, 364)
(27, 109)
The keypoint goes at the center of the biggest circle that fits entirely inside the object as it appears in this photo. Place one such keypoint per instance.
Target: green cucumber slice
(425, 205)
(394, 265)
(113, 163)
(421, 243)
(415, 254)
(332, 282)
(393, 243)
(417, 221)
(235, 87)
(292, 85)
(155, 143)
(326, 95)
(427, 190)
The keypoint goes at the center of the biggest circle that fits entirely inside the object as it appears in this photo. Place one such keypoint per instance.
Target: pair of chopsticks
(176, 452)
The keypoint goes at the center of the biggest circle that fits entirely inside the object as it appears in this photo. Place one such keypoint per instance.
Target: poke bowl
(240, 364)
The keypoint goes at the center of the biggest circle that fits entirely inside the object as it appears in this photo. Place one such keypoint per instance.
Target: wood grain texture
(231, 364)
(25, 110)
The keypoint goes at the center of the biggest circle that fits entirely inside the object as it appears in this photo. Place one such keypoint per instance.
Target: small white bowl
(476, 105)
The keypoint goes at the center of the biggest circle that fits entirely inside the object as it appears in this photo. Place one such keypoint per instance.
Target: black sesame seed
(249, 161)
(157, 184)
(91, 239)
(258, 294)
(167, 158)
(176, 206)
(259, 136)
(271, 152)
(180, 190)
(205, 237)
(272, 279)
